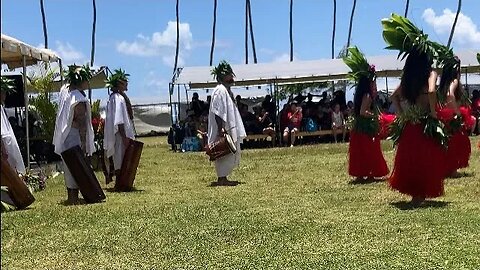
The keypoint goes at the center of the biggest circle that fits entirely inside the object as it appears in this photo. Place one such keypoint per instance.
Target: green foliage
(222, 70)
(294, 209)
(7, 85)
(359, 65)
(77, 74)
(367, 125)
(288, 90)
(401, 34)
(42, 80)
(118, 76)
(96, 109)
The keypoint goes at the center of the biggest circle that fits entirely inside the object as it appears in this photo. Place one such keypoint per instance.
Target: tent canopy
(304, 71)
(13, 51)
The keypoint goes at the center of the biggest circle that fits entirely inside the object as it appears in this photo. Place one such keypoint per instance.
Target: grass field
(294, 209)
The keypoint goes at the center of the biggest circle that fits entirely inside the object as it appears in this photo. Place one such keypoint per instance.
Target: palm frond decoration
(359, 65)
(117, 76)
(401, 34)
(7, 85)
(77, 74)
(222, 70)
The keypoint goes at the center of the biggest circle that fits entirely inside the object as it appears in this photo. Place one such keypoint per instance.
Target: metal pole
(170, 92)
(178, 99)
(386, 82)
(61, 71)
(25, 96)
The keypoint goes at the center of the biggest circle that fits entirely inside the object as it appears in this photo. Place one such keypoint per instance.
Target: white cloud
(284, 58)
(68, 53)
(160, 44)
(466, 32)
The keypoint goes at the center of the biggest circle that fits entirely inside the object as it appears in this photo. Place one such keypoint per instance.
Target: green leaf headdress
(357, 62)
(118, 76)
(8, 85)
(401, 34)
(222, 70)
(77, 74)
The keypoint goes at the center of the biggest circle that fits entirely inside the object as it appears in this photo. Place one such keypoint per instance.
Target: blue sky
(139, 36)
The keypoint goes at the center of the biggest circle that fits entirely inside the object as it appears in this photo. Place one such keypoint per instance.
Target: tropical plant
(407, 4)
(291, 30)
(459, 7)
(44, 23)
(94, 24)
(42, 80)
(334, 27)
(214, 25)
(351, 23)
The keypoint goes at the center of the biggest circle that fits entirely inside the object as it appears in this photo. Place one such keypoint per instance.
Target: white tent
(303, 71)
(15, 54)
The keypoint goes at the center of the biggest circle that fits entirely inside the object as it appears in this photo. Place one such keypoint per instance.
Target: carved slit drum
(17, 189)
(83, 174)
(221, 147)
(130, 162)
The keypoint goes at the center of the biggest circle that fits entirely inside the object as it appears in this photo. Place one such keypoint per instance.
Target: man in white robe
(223, 117)
(118, 125)
(73, 125)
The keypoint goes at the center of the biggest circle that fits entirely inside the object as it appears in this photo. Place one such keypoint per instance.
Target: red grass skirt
(365, 156)
(458, 153)
(419, 167)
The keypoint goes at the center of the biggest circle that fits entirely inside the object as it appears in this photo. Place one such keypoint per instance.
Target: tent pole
(25, 96)
(61, 70)
(178, 105)
(386, 82)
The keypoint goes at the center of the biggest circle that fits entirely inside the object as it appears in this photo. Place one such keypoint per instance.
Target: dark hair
(449, 74)
(363, 87)
(415, 75)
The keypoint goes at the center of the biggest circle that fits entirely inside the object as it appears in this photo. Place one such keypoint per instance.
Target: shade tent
(13, 51)
(303, 71)
(15, 54)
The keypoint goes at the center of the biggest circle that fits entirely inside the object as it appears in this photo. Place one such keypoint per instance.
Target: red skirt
(419, 167)
(365, 156)
(458, 153)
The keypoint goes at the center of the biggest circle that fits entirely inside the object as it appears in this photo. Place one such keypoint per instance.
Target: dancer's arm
(432, 95)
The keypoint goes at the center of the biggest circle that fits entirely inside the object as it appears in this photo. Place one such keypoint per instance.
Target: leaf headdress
(77, 74)
(401, 34)
(359, 65)
(222, 70)
(118, 76)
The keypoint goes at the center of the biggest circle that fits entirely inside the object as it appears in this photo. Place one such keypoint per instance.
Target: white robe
(117, 114)
(11, 146)
(65, 136)
(223, 106)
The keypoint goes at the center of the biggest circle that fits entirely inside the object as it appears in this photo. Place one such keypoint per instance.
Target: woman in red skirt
(366, 159)
(420, 158)
(457, 118)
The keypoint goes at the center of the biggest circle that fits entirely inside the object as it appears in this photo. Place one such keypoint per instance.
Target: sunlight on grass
(295, 209)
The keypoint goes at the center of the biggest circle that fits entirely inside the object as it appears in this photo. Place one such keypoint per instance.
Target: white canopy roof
(13, 51)
(304, 71)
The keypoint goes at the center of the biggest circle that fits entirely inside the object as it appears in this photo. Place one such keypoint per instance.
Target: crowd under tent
(275, 74)
(16, 54)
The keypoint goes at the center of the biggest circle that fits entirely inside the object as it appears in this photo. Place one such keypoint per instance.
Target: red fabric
(420, 163)
(385, 121)
(458, 153)
(466, 113)
(365, 156)
(296, 120)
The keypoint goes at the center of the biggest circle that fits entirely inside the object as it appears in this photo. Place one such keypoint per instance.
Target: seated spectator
(310, 104)
(249, 121)
(269, 106)
(349, 111)
(196, 107)
(338, 122)
(295, 120)
(238, 100)
(266, 123)
(284, 116)
(202, 135)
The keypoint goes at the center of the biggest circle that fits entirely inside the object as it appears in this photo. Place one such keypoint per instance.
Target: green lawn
(295, 209)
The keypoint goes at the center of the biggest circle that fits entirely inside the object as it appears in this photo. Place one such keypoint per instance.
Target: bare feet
(417, 201)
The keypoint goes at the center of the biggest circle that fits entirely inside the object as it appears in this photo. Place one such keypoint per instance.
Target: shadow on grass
(366, 181)
(225, 184)
(407, 205)
(461, 175)
(66, 203)
(133, 190)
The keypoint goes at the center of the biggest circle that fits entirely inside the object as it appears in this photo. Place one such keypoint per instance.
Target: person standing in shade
(224, 117)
